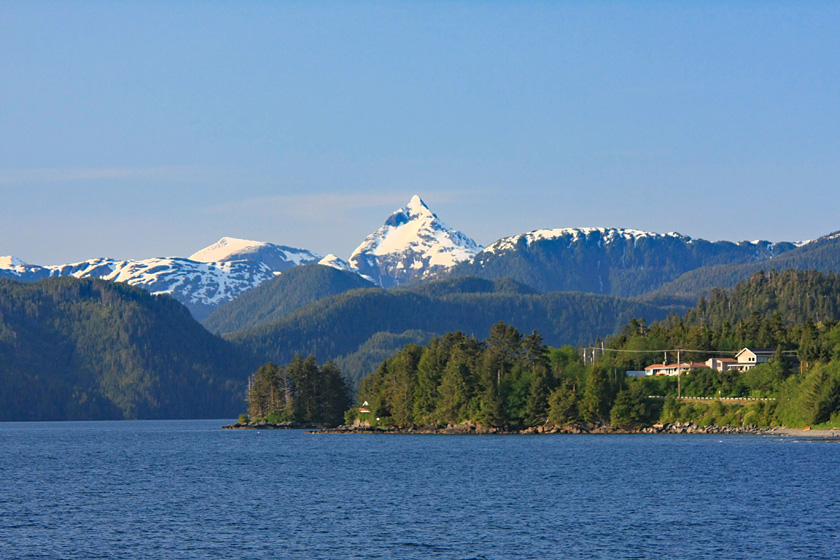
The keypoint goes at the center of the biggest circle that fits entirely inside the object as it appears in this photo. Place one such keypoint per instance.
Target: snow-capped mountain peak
(277, 257)
(413, 242)
(226, 249)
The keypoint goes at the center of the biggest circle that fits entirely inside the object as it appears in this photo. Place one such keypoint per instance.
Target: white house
(745, 360)
(722, 364)
(672, 369)
(749, 358)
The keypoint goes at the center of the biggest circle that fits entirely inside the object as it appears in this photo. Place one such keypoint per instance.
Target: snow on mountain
(277, 257)
(340, 264)
(412, 243)
(10, 262)
(607, 235)
(227, 248)
(210, 277)
(198, 285)
(335, 262)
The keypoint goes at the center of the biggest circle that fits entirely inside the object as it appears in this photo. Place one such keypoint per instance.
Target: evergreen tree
(536, 407)
(334, 395)
(563, 405)
(629, 407)
(595, 405)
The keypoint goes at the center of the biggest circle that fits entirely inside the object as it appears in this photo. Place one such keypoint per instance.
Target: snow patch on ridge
(606, 236)
(225, 248)
(10, 262)
(335, 262)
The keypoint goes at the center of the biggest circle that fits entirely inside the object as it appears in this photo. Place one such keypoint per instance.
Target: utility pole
(679, 375)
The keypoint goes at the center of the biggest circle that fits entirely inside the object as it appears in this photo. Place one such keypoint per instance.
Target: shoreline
(832, 433)
(581, 428)
(271, 426)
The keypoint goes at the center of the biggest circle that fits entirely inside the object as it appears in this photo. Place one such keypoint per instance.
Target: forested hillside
(377, 349)
(821, 255)
(340, 325)
(90, 349)
(271, 300)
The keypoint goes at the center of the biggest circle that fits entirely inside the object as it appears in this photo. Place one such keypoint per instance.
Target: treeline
(796, 312)
(299, 392)
(377, 349)
(506, 380)
(89, 349)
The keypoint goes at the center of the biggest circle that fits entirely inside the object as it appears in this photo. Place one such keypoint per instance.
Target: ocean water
(189, 490)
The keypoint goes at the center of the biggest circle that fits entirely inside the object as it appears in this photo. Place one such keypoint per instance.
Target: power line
(672, 350)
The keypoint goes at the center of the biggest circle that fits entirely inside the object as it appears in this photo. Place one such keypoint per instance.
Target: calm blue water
(186, 489)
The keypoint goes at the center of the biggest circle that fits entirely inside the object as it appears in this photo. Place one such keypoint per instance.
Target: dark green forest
(300, 392)
(341, 325)
(275, 298)
(90, 349)
(514, 380)
(377, 349)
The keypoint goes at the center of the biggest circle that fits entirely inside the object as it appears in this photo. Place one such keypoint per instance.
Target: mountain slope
(209, 278)
(341, 324)
(412, 243)
(199, 286)
(614, 261)
(75, 349)
(281, 295)
(822, 255)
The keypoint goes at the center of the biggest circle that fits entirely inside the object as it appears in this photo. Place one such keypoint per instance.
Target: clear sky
(141, 129)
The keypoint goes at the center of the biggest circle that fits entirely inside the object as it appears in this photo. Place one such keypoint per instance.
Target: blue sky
(134, 130)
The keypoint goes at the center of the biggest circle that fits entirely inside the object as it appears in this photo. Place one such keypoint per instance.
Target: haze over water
(186, 489)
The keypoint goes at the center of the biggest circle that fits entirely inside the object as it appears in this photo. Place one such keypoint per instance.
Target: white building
(749, 358)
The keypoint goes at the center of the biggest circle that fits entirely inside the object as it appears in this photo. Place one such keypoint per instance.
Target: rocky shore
(271, 426)
(468, 428)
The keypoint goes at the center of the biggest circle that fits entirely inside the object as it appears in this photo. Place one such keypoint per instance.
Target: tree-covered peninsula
(510, 380)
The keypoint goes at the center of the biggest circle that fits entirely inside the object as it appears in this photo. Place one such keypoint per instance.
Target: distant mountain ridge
(822, 254)
(414, 246)
(277, 257)
(207, 279)
(614, 261)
